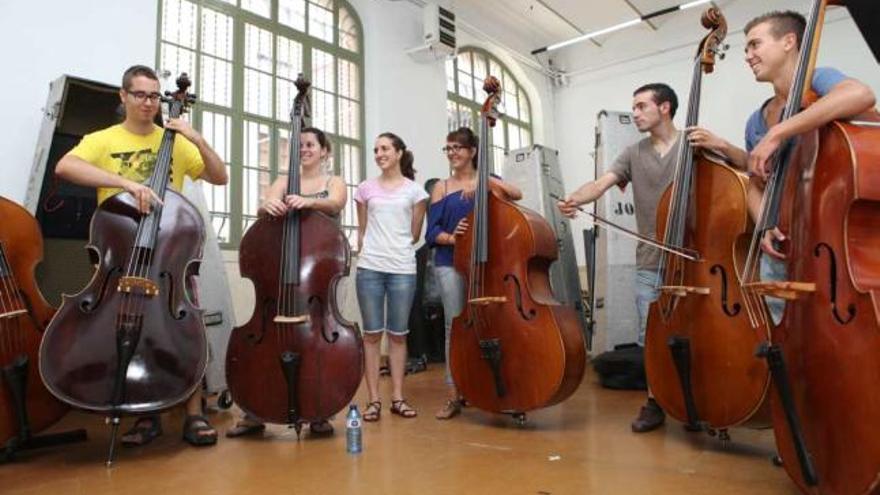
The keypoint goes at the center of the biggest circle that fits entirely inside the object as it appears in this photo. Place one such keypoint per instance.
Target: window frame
(474, 106)
(242, 17)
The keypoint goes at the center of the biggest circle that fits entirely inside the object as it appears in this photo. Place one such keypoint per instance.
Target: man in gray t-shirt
(650, 174)
(649, 165)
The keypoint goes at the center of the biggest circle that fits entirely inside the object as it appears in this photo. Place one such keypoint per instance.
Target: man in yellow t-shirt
(122, 157)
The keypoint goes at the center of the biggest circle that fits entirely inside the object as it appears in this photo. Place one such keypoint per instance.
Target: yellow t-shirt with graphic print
(133, 156)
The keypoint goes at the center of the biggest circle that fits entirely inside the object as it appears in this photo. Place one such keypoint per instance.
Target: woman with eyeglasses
(452, 201)
(319, 190)
(391, 211)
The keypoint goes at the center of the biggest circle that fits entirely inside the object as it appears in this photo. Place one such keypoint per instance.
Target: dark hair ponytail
(407, 159)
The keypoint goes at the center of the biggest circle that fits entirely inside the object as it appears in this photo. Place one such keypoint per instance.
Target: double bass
(297, 359)
(699, 349)
(824, 194)
(26, 406)
(514, 348)
(133, 341)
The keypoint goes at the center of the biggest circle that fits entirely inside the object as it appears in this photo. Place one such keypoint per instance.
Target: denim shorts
(378, 290)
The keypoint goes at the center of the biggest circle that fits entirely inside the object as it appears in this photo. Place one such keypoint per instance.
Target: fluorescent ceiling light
(617, 27)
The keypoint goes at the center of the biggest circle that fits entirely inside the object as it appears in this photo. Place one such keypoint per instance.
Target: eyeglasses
(142, 96)
(453, 148)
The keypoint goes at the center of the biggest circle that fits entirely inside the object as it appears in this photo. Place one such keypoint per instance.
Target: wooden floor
(583, 446)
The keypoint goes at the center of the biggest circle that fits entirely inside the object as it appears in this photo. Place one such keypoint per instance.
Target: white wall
(409, 97)
(729, 96)
(42, 40)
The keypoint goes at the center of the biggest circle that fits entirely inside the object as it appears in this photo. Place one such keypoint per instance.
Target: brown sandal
(144, 431)
(451, 409)
(373, 411)
(246, 427)
(403, 409)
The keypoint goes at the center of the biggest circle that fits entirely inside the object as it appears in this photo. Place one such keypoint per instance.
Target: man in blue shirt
(773, 43)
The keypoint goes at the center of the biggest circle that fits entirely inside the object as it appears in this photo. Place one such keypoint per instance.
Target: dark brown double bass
(514, 348)
(297, 359)
(26, 407)
(132, 341)
(824, 194)
(700, 345)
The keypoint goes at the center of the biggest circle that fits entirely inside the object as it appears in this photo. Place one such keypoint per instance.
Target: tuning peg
(722, 56)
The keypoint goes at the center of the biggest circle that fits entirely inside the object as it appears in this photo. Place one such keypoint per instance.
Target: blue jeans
(774, 269)
(452, 296)
(374, 289)
(646, 293)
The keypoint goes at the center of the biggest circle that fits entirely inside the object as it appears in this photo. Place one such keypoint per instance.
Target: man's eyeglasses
(142, 96)
(453, 148)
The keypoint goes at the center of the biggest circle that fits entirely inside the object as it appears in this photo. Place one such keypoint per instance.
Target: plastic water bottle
(353, 439)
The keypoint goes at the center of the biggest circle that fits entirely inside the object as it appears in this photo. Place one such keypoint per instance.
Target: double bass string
(676, 217)
(7, 304)
(140, 260)
(287, 305)
(686, 171)
(10, 284)
(773, 189)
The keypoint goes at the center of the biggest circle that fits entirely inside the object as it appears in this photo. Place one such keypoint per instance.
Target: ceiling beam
(565, 20)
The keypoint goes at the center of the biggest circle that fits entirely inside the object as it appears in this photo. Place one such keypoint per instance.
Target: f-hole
(176, 313)
(88, 304)
(268, 313)
(851, 309)
(519, 301)
(718, 269)
(318, 310)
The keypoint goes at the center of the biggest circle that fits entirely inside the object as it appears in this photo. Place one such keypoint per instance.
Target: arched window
(464, 97)
(243, 56)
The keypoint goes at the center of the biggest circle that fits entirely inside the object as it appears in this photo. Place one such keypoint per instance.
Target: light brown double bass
(133, 341)
(824, 194)
(297, 359)
(26, 406)
(700, 346)
(514, 348)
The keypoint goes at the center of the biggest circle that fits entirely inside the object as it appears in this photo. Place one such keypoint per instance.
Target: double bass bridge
(682, 290)
(13, 313)
(138, 285)
(790, 291)
(488, 300)
(292, 320)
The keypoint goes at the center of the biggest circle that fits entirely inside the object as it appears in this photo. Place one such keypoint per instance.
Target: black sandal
(144, 431)
(373, 411)
(321, 428)
(403, 409)
(193, 426)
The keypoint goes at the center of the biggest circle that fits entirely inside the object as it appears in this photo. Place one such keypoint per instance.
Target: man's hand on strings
(761, 157)
(144, 196)
(768, 246)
